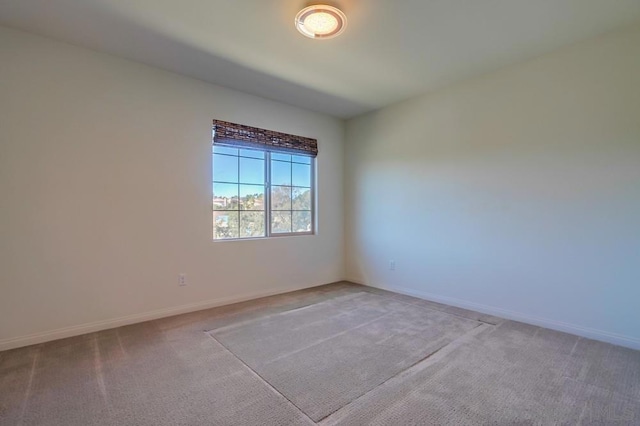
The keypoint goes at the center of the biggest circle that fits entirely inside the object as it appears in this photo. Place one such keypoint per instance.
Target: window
(260, 192)
(291, 194)
(239, 184)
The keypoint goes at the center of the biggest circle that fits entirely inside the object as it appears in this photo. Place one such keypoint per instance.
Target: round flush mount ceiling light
(321, 21)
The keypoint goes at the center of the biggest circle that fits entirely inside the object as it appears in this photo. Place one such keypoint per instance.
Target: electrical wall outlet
(392, 265)
(182, 279)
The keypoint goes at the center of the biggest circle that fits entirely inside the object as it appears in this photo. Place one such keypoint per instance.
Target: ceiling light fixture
(321, 21)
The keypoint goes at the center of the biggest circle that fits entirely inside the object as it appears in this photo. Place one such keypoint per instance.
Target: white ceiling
(391, 49)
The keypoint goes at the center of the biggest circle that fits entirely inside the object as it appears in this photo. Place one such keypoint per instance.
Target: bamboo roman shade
(225, 133)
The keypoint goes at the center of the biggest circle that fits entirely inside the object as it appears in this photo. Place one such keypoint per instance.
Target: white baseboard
(590, 333)
(76, 330)
(61, 333)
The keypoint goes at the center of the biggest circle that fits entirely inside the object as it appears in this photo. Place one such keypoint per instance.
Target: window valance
(226, 133)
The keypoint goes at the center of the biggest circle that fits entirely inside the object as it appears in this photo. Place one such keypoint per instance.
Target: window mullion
(291, 193)
(267, 194)
(238, 179)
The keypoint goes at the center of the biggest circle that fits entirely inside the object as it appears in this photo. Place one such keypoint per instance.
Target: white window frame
(267, 195)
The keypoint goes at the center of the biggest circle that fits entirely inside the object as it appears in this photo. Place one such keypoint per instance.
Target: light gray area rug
(338, 354)
(324, 356)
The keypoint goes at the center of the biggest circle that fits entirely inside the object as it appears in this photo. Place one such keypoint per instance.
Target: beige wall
(105, 194)
(516, 193)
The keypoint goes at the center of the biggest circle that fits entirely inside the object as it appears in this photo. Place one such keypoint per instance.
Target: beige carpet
(337, 354)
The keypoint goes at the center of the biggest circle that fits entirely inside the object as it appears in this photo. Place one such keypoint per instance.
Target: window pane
(282, 157)
(301, 159)
(280, 198)
(224, 150)
(225, 225)
(301, 221)
(225, 196)
(251, 170)
(301, 199)
(251, 153)
(252, 224)
(280, 222)
(251, 197)
(301, 175)
(225, 168)
(280, 173)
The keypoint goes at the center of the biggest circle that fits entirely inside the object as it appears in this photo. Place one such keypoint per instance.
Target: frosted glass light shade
(320, 21)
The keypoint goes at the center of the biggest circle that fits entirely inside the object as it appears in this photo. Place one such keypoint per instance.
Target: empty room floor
(335, 354)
